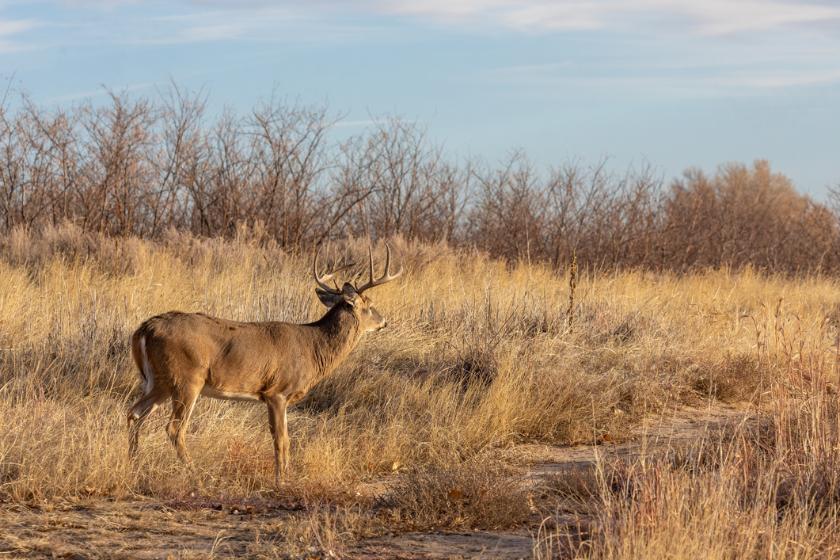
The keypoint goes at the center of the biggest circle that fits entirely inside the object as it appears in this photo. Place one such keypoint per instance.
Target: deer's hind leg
(183, 401)
(137, 415)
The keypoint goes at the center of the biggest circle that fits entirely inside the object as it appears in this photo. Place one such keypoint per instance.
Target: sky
(670, 83)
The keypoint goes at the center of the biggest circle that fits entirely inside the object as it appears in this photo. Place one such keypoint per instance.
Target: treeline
(141, 166)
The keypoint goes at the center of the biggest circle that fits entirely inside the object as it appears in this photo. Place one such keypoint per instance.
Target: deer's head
(360, 304)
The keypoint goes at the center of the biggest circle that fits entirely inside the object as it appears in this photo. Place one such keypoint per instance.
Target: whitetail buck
(183, 355)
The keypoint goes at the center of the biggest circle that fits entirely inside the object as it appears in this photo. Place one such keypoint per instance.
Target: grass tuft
(477, 494)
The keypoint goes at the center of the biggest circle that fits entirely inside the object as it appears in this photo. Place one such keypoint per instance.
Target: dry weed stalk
(570, 312)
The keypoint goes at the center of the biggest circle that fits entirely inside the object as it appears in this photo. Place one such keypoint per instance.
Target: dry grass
(477, 356)
(479, 494)
(759, 489)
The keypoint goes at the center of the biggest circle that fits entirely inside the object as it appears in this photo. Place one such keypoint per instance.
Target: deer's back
(230, 356)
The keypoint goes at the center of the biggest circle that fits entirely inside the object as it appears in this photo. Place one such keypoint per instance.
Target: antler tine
(387, 277)
(321, 281)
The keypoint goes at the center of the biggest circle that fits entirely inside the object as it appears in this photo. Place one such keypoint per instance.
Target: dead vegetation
(477, 360)
(142, 166)
(478, 494)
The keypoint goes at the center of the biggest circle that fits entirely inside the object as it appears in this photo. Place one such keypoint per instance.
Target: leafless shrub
(391, 180)
(574, 487)
(142, 166)
(477, 365)
(742, 216)
(736, 378)
(477, 494)
(506, 218)
(611, 220)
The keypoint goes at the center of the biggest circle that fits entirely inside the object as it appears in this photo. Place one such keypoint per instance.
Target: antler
(385, 277)
(327, 277)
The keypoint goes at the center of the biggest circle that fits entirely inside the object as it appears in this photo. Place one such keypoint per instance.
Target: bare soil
(145, 528)
(655, 433)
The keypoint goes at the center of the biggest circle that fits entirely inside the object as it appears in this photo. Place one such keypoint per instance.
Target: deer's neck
(337, 333)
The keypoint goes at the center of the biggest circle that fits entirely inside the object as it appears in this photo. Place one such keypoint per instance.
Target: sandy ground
(147, 529)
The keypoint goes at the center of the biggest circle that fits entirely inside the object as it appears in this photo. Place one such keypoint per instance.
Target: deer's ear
(327, 298)
(348, 292)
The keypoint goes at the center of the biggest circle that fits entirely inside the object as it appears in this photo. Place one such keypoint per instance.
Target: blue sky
(676, 83)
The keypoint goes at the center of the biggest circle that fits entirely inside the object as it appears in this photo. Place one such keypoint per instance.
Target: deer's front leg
(280, 434)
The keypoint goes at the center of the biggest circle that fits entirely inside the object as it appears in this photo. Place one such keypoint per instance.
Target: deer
(183, 355)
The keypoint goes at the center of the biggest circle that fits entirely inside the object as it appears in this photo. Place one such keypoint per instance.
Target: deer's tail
(141, 358)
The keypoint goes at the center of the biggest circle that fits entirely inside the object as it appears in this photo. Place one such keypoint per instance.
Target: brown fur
(274, 362)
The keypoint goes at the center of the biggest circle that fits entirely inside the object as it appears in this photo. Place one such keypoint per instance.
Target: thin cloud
(773, 81)
(774, 42)
(551, 81)
(180, 23)
(718, 17)
(10, 28)
(206, 33)
(702, 17)
(195, 21)
(705, 17)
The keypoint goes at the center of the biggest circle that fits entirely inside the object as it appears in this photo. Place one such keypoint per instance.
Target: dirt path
(654, 434)
(149, 529)
(442, 545)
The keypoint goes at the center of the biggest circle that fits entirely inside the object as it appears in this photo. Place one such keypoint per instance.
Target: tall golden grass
(477, 356)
